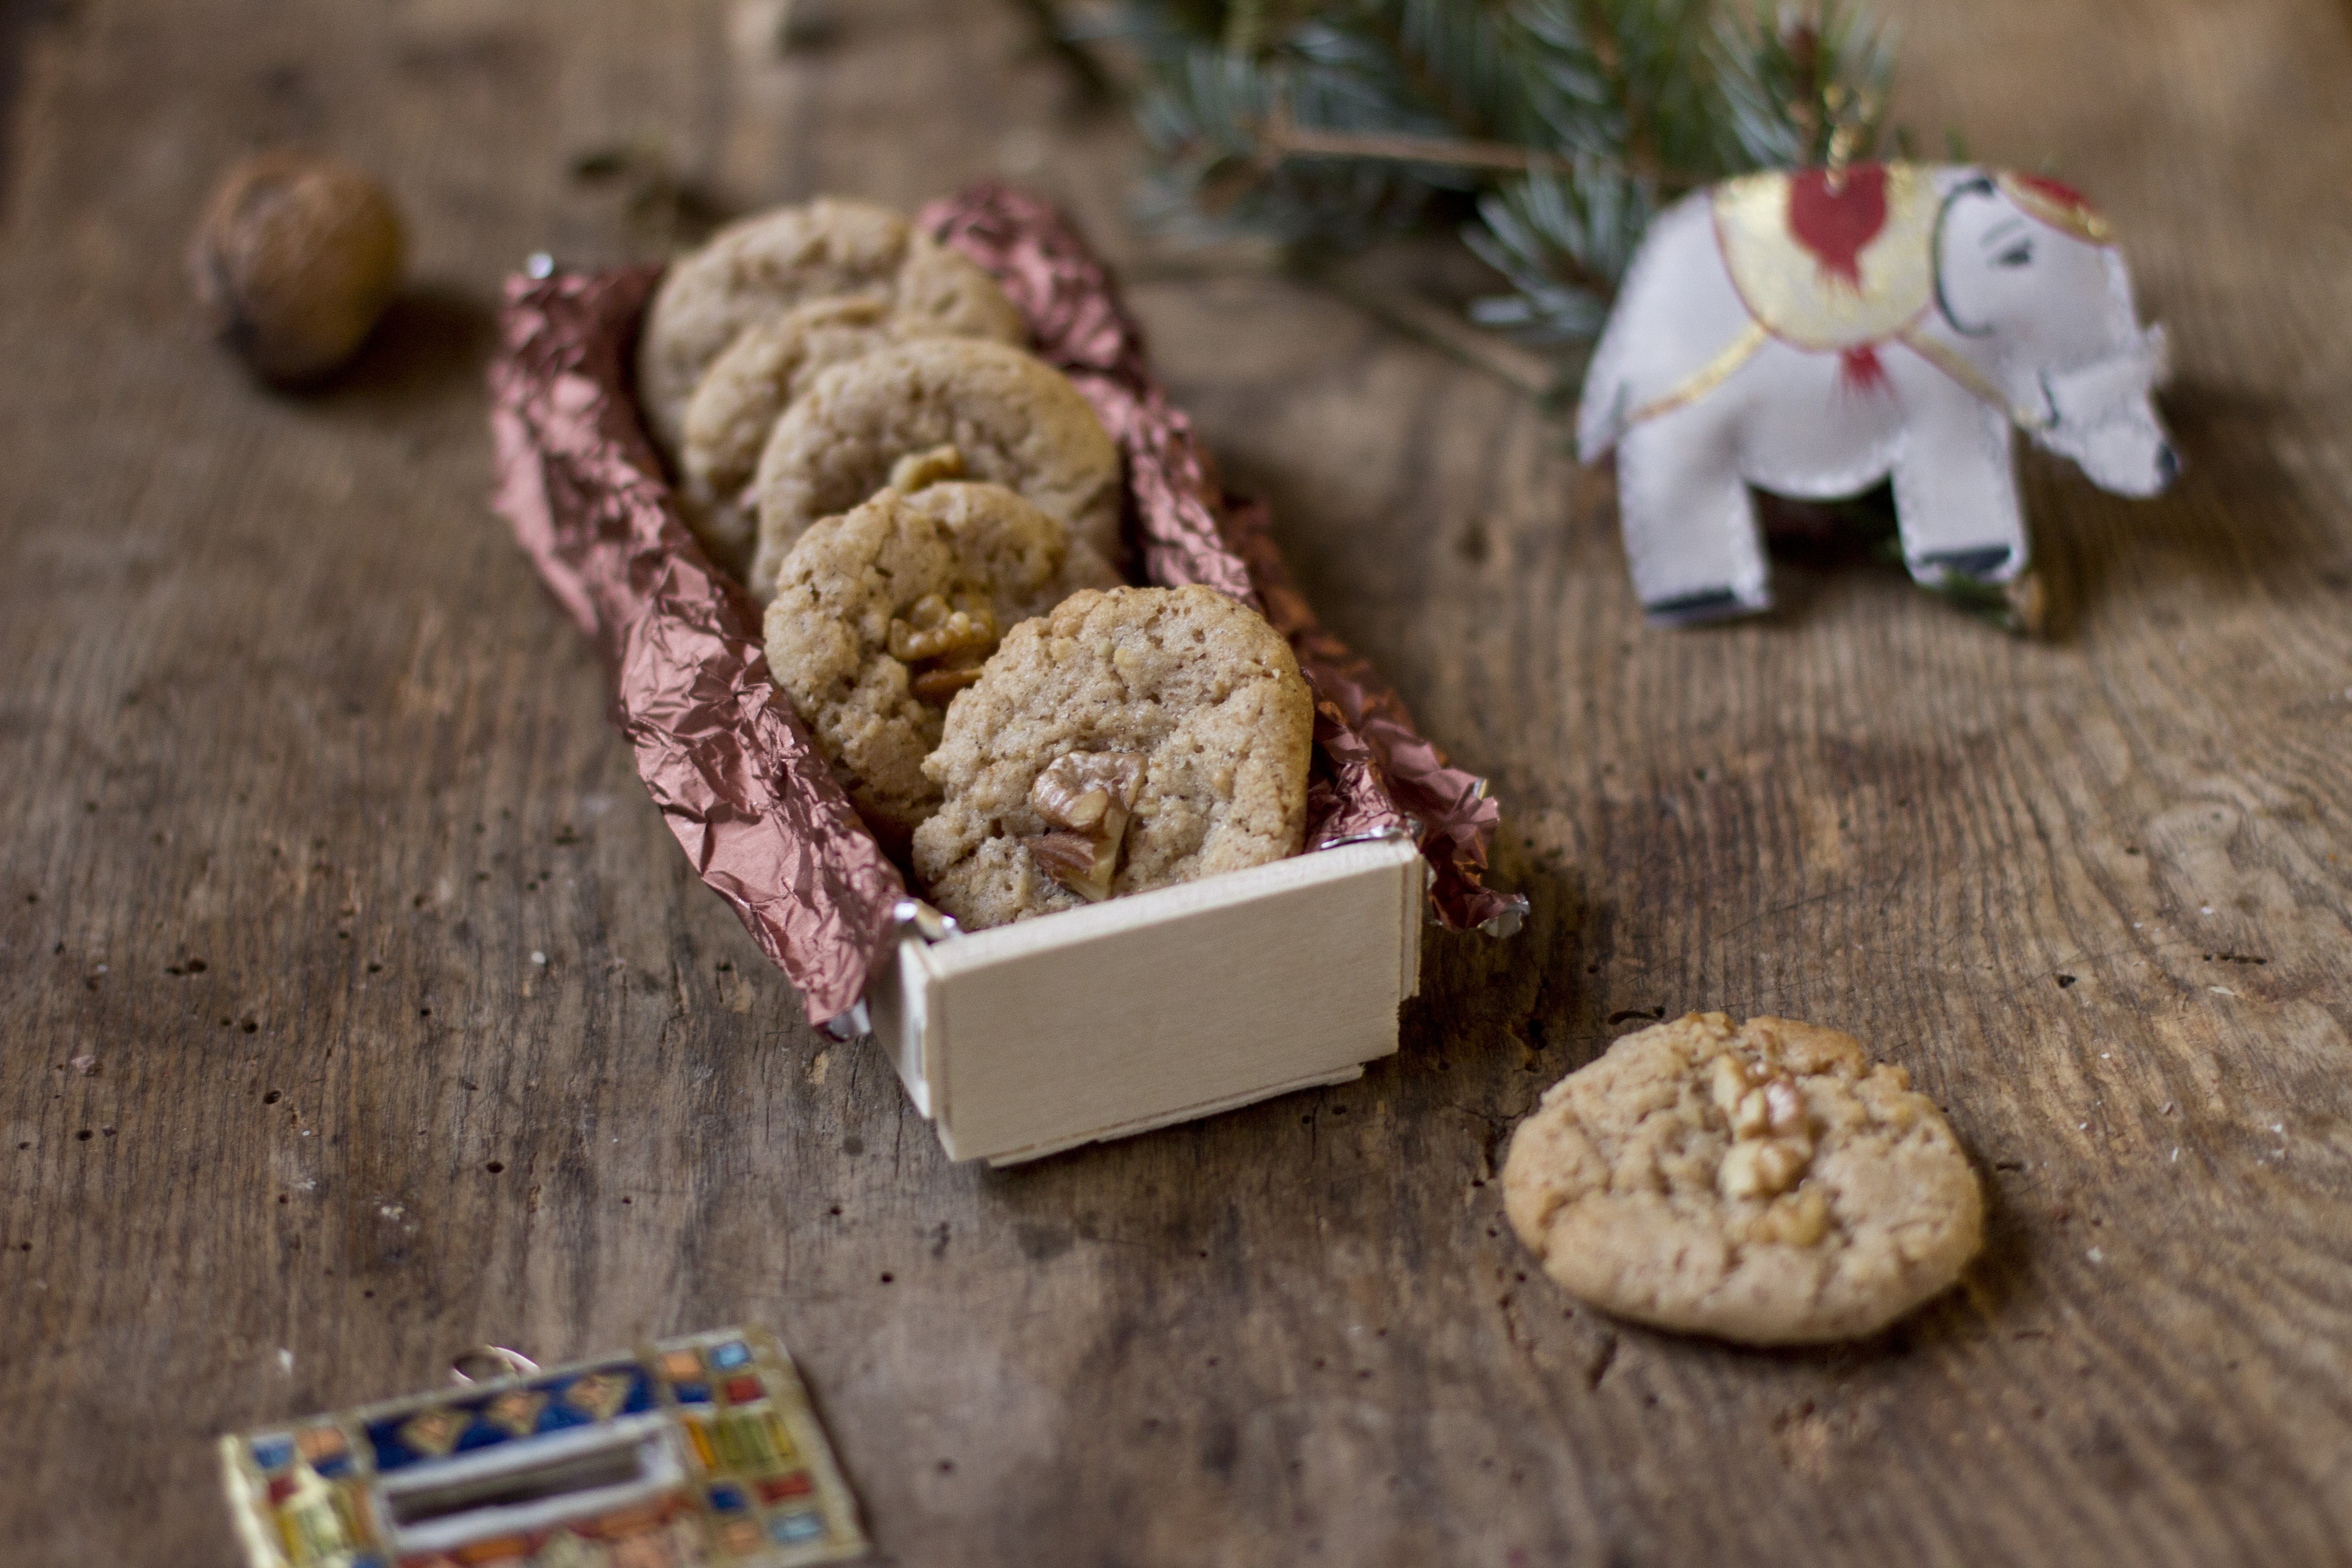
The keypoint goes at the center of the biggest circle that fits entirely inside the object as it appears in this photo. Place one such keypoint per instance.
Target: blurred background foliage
(1547, 133)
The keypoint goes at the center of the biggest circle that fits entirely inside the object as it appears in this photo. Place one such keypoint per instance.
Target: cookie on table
(1129, 740)
(882, 615)
(1017, 421)
(768, 264)
(735, 407)
(1761, 1181)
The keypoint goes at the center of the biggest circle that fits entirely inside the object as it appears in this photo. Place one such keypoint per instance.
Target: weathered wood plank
(283, 701)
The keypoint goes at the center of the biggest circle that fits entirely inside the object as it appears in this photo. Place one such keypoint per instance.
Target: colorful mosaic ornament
(625, 1462)
(1815, 332)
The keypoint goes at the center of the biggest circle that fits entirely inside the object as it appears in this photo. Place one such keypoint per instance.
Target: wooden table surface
(413, 1030)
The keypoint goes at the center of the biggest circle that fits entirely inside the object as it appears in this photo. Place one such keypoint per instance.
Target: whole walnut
(294, 261)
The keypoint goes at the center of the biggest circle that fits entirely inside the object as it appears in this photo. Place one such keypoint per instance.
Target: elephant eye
(2017, 256)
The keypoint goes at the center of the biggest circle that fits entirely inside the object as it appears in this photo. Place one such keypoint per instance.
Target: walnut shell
(294, 261)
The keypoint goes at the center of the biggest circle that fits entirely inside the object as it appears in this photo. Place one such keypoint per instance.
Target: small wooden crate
(1121, 1016)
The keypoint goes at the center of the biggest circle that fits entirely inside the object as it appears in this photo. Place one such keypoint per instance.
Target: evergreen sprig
(1551, 131)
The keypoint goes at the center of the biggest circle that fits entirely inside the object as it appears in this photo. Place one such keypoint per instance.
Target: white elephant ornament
(1814, 334)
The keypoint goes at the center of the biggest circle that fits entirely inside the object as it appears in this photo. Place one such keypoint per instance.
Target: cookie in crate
(736, 403)
(881, 616)
(1014, 420)
(764, 266)
(1130, 740)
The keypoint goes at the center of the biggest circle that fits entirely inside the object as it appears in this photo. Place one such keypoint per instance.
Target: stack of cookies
(931, 516)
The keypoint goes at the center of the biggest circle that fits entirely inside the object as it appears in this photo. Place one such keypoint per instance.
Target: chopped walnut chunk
(1752, 1117)
(1073, 860)
(1078, 791)
(1772, 1143)
(1796, 1219)
(943, 642)
(1085, 797)
(1731, 1085)
(938, 684)
(1762, 1167)
(920, 470)
(935, 627)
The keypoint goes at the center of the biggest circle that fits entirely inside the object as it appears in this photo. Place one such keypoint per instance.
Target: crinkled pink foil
(1372, 762)
(747, 793)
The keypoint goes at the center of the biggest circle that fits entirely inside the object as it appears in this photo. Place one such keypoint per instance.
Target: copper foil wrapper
(747, 793)
(745, 790)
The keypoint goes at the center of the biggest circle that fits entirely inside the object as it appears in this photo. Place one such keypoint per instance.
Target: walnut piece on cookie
(1192, 692)
(1086, 799)
(1016, 420)
(1762, 1182)
(768, 264)
(882, 615)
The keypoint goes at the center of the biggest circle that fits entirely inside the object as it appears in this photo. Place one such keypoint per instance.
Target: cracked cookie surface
(1761, 1181)
(768, 264)
(736, 405)
(1198, 690)
(864, 636)
(1016, 421)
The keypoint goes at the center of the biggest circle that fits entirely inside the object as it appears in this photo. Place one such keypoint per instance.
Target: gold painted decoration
(2060, 205)
(516, 1414)
(1710, 375)
(433, 1432)
(598, 1394)
(1831, 260)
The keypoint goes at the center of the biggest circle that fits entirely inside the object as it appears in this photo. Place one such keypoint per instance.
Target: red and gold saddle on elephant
(1831, 260)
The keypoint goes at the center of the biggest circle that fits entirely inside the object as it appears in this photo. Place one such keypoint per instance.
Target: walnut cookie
(736, 405)
(768, 264)
(882, 615)
(1017, 422)
(1128, 741)
(1762, 1182)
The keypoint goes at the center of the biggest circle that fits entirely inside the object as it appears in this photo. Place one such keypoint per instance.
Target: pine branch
(1279, 140)
(1455, 53)
(1324, 124)
(1279, 137)
(1806, 94)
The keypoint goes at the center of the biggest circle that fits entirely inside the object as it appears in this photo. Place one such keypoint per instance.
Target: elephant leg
(1955, 498)
(1691, 537)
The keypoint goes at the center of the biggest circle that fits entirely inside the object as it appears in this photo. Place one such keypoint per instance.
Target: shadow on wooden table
(434, 342)
(2230, 523)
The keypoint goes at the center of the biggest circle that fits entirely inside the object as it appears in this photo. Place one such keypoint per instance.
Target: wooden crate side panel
(897, 998)
(1412, 919)
(1182, 1113)
(1208, 1008)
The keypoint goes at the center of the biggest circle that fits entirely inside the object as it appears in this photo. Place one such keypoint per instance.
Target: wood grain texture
(302, 778)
